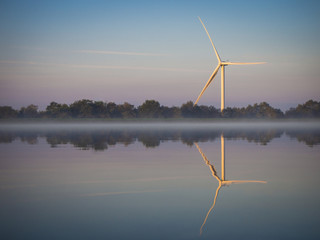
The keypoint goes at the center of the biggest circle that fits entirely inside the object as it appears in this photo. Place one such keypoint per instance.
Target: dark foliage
(310, 109)
(152, 109)
(8, 112)
(29, 112)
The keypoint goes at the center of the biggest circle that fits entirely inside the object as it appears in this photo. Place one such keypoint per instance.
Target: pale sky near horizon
(136, 50)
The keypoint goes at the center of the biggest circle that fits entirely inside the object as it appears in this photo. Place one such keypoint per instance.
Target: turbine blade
(241, 181)
(242, 63)
(215, 50)
(208, 83)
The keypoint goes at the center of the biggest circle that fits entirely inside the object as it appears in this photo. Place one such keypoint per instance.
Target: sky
(130, 51)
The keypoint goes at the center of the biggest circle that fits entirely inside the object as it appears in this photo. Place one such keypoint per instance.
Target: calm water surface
(160, 181)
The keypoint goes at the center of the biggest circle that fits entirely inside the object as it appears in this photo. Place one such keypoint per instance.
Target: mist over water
(158, 125)
(166, 180)
(99, 135)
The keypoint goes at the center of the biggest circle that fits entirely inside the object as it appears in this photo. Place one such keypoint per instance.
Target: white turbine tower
(221, 64)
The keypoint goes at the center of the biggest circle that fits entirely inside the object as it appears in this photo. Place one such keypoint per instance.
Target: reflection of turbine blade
(221, 182)
(214, 173)
(215, 50)
(208, 83)
(241, 181)
(213, 170)
(214, 203)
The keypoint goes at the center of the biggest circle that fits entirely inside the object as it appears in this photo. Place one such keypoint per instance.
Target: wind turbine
(221, 65)
(222, 181)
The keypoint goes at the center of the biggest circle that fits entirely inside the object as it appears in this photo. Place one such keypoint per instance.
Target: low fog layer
(196, 125)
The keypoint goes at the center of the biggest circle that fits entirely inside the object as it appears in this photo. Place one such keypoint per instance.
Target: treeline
(152, 109)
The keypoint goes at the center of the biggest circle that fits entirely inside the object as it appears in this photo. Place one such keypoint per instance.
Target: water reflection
(91, 137)
(222, 181)
(159, 193)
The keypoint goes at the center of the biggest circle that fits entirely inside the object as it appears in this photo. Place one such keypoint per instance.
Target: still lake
(160, 180)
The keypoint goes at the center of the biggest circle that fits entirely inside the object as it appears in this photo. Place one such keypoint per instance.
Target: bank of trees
(310, 109)
(152, 109)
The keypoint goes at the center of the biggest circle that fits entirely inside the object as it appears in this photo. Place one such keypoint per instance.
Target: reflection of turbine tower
(222, 181)
(221, 64)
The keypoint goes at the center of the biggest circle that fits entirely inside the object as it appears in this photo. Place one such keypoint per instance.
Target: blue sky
(136, 50)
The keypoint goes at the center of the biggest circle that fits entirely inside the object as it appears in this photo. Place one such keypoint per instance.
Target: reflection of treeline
(102, 139)
(152, 109)
(308, 137)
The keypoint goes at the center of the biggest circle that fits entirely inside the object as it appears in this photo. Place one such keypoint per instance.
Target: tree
(208, 112)
(113, 110)
(8, 112)
(150, 109)
(81, 108)
(190, 111)
(127, 110)
(57, 110)
(98, 109)
(170, 112)
(229, 112)
(262, 110)
(187, 109)
(308, 109)
(30, 111)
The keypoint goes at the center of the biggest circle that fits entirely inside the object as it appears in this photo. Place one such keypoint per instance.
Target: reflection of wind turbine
(221, 64)
(222, 181)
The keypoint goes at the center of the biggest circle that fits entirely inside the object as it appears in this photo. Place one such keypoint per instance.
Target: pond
(160, 180)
